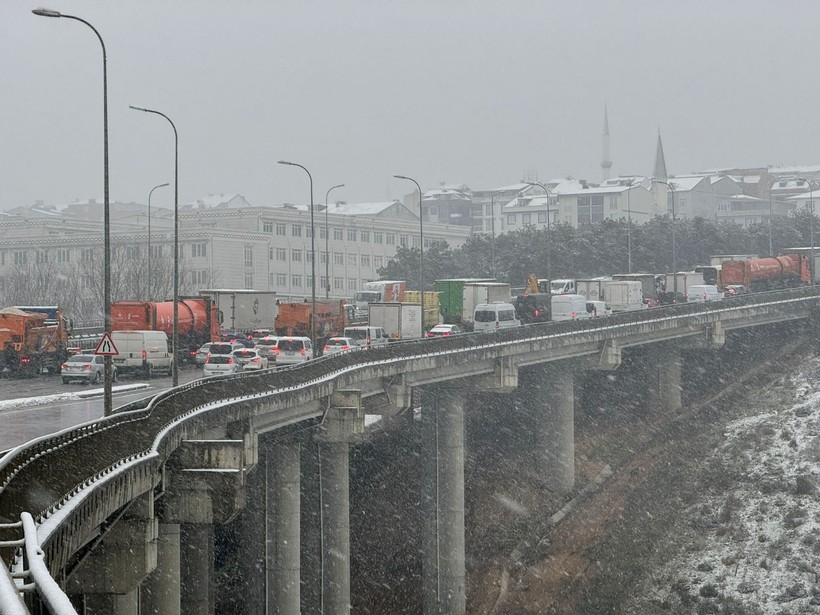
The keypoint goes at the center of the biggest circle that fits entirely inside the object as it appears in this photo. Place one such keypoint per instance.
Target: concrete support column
(665, 379)
(443, 575)
(160, 592)
(344, 419)
(550, 393)
(282, 471)
(252, 538)
(197, 568)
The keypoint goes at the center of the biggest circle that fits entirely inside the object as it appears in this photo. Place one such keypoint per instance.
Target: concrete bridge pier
(664, 371)
(282, 527)
(109, 577)
(549, 391)
(344, 419)
(197, 568)
(160, 592)
(443, 574)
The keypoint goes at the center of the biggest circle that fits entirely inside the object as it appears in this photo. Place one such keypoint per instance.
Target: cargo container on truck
(451, 297)
(624, 296)
(401, 321)
(243, 310)
(684, 279)
(379, 291)
(476, 293)
(653, 284)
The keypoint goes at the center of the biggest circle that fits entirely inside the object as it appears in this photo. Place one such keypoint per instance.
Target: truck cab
(562, 287)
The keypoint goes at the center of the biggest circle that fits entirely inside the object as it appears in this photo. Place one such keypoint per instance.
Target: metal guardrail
(126, 450)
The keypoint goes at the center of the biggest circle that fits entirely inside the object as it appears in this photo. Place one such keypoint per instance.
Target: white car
(289, 350)
(336, 345)
(250, 359)
(85, 368)
(701, 293)
(220, 364)
(444, 331)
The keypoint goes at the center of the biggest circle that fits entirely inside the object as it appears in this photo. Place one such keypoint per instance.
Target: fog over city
(458, 92)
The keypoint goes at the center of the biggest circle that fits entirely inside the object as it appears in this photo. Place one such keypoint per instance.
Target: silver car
(220, 364)
(202, 354)
(340, 344)
(86, 368)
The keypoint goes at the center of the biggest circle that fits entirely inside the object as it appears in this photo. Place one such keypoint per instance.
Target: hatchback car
(224, 347)
(86, 368)
(444, 331)
(202, 354)
(290, 350)
(249, 359)
(220, 364)
(335, 345)
(266, 345)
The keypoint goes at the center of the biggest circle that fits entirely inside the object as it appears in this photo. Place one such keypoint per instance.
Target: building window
(248, 257)
(63, 255)
(511, 219)
(156, 251)
(87, 255)
(432, 210)
(308, 256)
(267, 227)
(391, 239)
(295, 230)
(296, 281)
(19, 257)
(338, 233)
(352, 283)
(338, 283)
(281, 254)
(281, 280)
(322, 232)
(323, 258)
(281, 229)
(351, 234)
(308, 281)
(132, 252)
(41, 256)
(296, 256)
(403, 241)
(248, 281)
(351, 260)
(199, 277)
(526, 218)
(378, 237)
(199, 249)
(378, 262)
(338, 258)
(613, 202)
(364, 236)
(542, 217)
(590, 209)
(364, 260)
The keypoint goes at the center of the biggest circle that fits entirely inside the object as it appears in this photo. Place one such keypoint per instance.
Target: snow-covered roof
(353, 209)
(218, 200)
(686, 182)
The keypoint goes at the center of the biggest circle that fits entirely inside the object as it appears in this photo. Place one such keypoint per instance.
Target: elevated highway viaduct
(117, 515)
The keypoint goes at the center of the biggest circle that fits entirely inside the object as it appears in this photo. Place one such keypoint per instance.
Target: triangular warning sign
(106, 346)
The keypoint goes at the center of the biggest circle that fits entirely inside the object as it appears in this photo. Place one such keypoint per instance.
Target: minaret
(660, 161)
(606, 163)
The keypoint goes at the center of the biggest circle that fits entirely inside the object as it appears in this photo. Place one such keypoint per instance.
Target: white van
(494, 316)
(569, 307)
(700, 293)
(142, 351)
(598, 308)
(366, 336)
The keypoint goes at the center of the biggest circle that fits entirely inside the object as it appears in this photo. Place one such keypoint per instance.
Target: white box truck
(685, 280)
(477, 293)
(593, 289)
(624, 296)
(243, 310)
(401, 321)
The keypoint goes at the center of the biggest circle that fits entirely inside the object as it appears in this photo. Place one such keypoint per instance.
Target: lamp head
(138, 108)
(46, 12)
(285, 162)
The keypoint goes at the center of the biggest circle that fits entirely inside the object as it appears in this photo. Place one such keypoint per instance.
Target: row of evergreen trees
(597, 249)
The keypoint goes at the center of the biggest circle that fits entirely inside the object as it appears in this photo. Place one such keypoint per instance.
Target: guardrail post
(443, 573)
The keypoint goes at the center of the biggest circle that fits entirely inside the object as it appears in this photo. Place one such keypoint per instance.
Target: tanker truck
(197, 321)
(757, 274)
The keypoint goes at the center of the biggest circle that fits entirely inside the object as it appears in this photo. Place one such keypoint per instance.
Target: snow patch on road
(28, 402)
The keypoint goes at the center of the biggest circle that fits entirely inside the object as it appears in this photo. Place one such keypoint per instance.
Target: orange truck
(293, 319)
(33, 339)
(197, 321)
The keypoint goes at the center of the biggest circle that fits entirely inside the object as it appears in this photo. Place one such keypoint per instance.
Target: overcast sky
(474, 92)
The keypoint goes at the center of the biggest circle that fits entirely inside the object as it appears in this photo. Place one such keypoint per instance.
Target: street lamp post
(107, 397)
(492, 225)
(150, 286)
(312, 257)
(327, 243)
(810, 208)
(175, 333)
(549, 246)
(629, 184)
(421, 248)
(671, 187)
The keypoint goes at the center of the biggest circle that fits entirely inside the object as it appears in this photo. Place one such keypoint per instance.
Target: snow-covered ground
(28, 402)
(752, 547)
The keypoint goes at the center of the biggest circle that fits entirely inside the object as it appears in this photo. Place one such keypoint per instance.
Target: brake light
(276, 350)
(86, 366)
(25, 360)
(144, 355)
(327, 348)
(255, 360)
(302, 352)
(430, 334)
(445, 334)
(64, 366)
(345, 347)
(230, 361)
